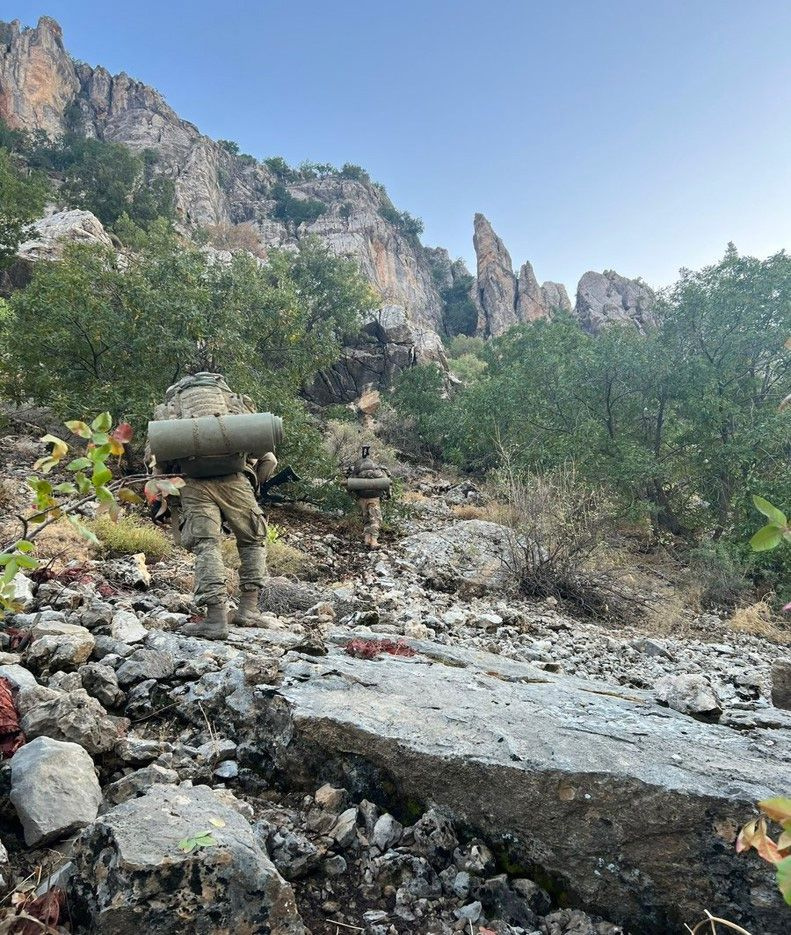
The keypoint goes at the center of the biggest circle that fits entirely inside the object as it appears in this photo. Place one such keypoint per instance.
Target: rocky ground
(404, 748)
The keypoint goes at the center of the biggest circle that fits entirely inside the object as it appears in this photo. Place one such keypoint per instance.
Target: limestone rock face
(55, 230)
(388, 344)
(522, 752)
(607, 298)
(505, 300)
(41, 88)
(130, 875)
(496, 285)
(38, 80)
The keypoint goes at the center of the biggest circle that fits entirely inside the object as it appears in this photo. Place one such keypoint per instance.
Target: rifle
(266, 492)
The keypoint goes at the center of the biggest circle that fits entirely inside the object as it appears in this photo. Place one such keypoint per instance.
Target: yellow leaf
(116, 448)
(59, 447)
(217, 822)
(778, 809)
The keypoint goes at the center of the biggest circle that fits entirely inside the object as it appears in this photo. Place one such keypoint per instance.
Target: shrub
(468, 368)
(130, 535)
(459, 312)
(297, 210)
(559, 528)
(278, 166)
(463, 345)
(354, 172)
(719, 575)
(343, 442)
(284, 560)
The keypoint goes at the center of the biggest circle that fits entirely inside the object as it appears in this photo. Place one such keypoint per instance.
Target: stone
(138, 783)
(130, 875)
(101, 683)
(469, 552)
(145, 664)
(70, 716)
(126, 628)
(689, 694)
(344, 832)
(21, 591)
(107, 646)
(54, 789)
(18, 676)
(331, 799)
(387, 833)
(137, 751)
(781, 684)
(215, 750)
(293, 853)
(227, 769)
(607, 298)
(96, 614)
(442, 727)
(67, 647)
(52, 232)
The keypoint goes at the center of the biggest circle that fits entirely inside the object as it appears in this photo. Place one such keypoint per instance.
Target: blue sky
(638, 136)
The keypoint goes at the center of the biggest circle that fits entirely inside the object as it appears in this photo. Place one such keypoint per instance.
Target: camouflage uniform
(204, 504)
(370, 500)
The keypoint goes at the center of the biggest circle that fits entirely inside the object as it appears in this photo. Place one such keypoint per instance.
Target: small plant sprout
(91, 484)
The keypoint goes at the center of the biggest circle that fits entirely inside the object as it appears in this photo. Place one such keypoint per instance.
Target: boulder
(59, 228)
(145, 664)
(126, 628)
(470, 552)
(131, 875)
(22, 591)
(690, 694)
(101, 683)
(54, 789)
(73, 716)
(59, 646)
(781, 684)
(628, 807)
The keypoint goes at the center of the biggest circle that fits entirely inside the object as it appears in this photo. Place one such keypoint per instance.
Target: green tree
(120, 333)
(22, 198)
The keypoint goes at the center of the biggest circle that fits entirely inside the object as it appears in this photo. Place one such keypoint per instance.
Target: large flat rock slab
(628, 808)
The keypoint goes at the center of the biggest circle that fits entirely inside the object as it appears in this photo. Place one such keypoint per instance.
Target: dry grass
(8, 494)
(759, 620)
(414, 496)
(60, 543)
(130, 535)
(232, 237)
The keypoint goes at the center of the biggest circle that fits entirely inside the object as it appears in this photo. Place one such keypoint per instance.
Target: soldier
(369, 497)
(209, 501)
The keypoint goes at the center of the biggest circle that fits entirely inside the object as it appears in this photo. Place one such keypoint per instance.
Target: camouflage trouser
(372, 515)
(205, 504)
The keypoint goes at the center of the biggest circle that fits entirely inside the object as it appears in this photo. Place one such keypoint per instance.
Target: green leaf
(78, 428)
(784, 878)
(83, 484)
(5, 558)
(103, 495)
(201, 839)
(100, 439)
(26, 561)
(102, 423)
(24, 545)
(101, 475)
(769, 511)
(82, 529)
(768, 537)
(79, 464)
(66, 487)
(125, 495)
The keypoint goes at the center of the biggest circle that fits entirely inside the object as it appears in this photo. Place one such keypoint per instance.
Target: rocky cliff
(43, 88)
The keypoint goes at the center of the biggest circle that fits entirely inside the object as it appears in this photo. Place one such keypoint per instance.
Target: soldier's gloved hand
(159, 512)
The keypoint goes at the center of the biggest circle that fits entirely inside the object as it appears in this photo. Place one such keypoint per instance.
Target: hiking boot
(247, 614)
(214, 625)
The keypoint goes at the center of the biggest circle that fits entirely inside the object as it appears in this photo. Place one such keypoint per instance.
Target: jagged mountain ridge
(43, 88)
